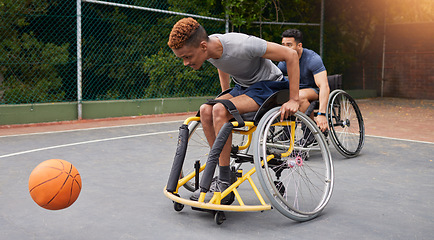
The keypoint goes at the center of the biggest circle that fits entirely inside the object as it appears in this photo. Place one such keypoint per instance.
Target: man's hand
(288, 109)
(321, 121)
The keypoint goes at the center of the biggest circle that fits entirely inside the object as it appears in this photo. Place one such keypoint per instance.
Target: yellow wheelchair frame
(285, 157)
(214, 203)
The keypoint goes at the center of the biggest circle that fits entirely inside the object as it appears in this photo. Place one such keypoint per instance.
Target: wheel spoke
(298, 185)
(347, 131)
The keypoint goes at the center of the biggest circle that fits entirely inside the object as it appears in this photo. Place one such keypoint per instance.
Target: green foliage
(125, 52)
(28, 67)
(244, 12)
(113, 49)
(198, 7)
(168, 77)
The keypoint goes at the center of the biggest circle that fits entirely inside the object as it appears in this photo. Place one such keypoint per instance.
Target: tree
(28, 66)
(166, 73)
(115, 41)
(168, 77)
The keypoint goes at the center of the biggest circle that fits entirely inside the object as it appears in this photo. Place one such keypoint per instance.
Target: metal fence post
(226, 22)
(321, 34)
(384, 52)
(79, 63)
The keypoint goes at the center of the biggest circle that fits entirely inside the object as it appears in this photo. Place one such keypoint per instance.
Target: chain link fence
(124, 53)
(36, 52)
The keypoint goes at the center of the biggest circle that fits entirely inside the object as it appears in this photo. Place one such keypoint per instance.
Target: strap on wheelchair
(231, 109)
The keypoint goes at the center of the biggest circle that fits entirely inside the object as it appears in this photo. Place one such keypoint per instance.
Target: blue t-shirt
(310, 64)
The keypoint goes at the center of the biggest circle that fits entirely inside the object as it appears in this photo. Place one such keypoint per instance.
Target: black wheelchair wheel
(346, 125)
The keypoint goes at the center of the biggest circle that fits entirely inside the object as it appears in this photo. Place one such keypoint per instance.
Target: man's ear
(203, 45)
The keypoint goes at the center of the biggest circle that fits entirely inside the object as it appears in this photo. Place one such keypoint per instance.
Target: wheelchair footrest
(217, 207)
(242, 158)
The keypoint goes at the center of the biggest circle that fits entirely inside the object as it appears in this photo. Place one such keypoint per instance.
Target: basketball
(54, 184)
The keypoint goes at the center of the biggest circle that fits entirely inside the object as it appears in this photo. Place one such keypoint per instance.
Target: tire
(296, 186)
(346, 126)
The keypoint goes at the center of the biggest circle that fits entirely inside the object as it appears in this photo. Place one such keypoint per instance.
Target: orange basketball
(54, 184)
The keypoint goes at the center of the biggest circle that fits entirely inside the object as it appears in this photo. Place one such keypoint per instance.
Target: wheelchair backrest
(335, 82)
(276, 99)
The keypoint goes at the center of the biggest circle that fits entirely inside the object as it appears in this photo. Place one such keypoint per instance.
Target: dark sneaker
(284, 135)
(216, 186)
(308, 139)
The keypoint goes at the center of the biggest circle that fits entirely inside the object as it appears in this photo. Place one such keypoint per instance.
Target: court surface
(385, 193)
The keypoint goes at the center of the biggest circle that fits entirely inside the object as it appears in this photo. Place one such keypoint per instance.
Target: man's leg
(213, 118)
(306, 96)
(221, 116)
(206, 118)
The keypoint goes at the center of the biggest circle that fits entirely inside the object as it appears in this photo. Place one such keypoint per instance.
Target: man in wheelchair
(313, 76)
(247, 60)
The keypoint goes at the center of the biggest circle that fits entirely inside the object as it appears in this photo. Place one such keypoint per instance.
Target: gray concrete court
(385, 193)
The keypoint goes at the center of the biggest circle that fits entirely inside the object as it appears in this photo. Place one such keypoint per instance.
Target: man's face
(291, 43)
(192, 56)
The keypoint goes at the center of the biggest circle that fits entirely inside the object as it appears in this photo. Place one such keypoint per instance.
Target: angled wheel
(346, 125)
(297, 187)
(197, 150)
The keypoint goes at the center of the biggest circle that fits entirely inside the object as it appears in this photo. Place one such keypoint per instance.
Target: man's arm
(324, 91)
(224, 80)
(276, 52)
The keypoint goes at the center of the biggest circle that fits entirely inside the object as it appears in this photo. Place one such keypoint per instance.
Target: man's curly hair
(186, 31)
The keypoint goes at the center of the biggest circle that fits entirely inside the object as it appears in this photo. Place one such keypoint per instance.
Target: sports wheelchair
(345, 121)
(296, 178)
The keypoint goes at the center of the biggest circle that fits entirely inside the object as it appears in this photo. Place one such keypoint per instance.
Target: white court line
(400, 139)
(87, 129)
(85, 142)
(131, 136)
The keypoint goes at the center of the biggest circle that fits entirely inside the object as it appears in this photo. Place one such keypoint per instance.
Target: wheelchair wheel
(197, 150)
(298, 182)
(345, 123)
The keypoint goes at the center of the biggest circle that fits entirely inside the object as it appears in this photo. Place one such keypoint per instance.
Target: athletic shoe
(216, 186)
(308, 139)
(284, 135)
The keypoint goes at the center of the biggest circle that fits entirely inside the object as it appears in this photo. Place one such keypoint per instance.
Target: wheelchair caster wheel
(219, 217)
(178, 206)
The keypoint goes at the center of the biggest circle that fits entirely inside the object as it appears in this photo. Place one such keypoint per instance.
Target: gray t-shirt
(242, 59)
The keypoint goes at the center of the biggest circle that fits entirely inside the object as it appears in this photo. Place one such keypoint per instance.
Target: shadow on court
(385, 193)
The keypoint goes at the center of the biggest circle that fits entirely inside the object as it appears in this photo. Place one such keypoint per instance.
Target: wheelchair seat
(276, 99)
